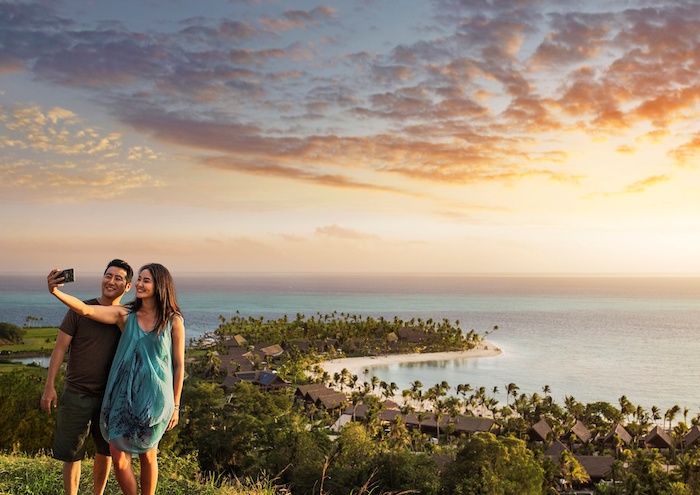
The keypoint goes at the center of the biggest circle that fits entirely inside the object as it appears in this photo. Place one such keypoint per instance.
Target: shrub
(11, 333)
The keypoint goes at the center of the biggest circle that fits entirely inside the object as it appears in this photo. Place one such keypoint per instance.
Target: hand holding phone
(68, 275)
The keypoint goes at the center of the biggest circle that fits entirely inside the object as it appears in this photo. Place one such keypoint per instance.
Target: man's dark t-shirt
(90, 354)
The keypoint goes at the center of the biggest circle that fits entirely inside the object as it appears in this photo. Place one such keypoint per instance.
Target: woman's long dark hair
(165, 296)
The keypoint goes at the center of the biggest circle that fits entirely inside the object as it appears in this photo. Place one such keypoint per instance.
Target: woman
(142, 399)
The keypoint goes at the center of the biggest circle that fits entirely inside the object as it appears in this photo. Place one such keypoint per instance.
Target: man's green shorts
(78, 418)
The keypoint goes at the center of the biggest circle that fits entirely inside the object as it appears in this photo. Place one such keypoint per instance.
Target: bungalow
(331, 401)
(321, 395)
(540, 431)
(657, 438)
(597, 467)
(620, 432)
(303, 390)
(274, 350)
(578, 432)
(556, 449)
(692, 437)
(468, 425)
(236, 341)
(426, 421)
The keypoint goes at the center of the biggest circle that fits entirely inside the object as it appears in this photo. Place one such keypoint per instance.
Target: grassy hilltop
(20, 474)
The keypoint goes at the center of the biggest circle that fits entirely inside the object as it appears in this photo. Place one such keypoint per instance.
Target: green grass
(38, 341)
(7, 367)
(41, 474)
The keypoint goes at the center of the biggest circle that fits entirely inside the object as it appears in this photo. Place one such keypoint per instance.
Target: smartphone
(68, 275)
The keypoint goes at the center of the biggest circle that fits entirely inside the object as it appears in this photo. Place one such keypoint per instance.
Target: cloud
(642, 185)
(51, 156)
(265, 102)
(686, 152)
(306, 174)
(301, 19)
(574, 38)
(636, 187)
(56, 131)
(338, 232)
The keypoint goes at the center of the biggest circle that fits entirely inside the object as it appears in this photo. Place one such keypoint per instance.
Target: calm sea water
(595, 339)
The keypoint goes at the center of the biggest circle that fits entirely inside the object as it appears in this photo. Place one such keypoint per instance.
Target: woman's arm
(178, 340)
(115, 315)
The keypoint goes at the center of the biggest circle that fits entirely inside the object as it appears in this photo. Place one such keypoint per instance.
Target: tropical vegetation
(270, 436)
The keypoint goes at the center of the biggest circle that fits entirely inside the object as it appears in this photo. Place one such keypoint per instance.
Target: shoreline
(357, 365)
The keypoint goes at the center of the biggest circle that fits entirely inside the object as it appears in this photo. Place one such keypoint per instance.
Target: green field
(39, 341)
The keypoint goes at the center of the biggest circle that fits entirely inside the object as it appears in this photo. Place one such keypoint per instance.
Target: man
(92, 347)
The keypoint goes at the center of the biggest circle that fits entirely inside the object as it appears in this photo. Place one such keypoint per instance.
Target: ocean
(592, 338)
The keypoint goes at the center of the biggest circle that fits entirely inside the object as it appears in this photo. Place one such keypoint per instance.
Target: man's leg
(100, 472)
(103, 457)
(71, 477)
(70, 436)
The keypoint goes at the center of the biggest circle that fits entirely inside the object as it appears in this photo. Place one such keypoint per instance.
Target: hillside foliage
(246, 433)
(11, 334)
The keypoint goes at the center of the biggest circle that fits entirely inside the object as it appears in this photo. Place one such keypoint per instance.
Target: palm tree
(546, 390)
(420, 417)
(393, 388)
(415, 386)
(374, 382)
(406, 395)
(574, 407)
(535, 403)
(511, 389)
(439, 412)
(670, 415)
(490, 405)
(463, 389)
(337, 379)
(480, 398)
(626, 407)
(679, 431)
(571, 470)
(398, 433)
(355, 399)
(489, 332)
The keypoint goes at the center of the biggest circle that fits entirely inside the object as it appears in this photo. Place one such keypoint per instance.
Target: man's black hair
(124, 266)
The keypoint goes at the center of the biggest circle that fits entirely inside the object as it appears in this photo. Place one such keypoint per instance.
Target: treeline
(10, 333)
(246, 432)
(354, 334)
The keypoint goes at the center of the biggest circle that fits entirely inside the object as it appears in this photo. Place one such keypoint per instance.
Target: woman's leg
(149, 471)
(124, 471)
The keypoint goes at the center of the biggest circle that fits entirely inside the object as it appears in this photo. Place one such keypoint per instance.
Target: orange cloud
(343, 233)
(643, 185)
(687, 151)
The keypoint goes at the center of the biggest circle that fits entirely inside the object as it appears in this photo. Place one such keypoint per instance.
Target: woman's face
(144, 285)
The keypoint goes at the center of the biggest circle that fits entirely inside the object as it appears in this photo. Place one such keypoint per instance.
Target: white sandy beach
(358, 365)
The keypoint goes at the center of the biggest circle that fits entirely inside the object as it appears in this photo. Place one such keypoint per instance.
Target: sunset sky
(436, 136)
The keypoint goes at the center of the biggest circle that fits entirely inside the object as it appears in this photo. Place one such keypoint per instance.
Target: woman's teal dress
(138, 401)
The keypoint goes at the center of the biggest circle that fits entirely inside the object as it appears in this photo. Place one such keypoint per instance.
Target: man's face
(114, 283)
